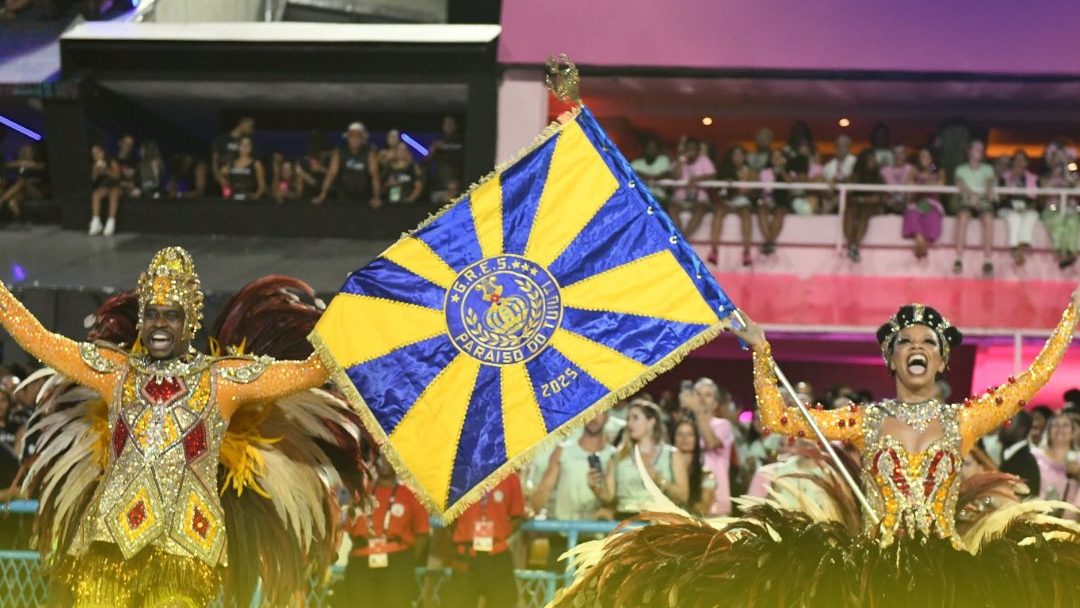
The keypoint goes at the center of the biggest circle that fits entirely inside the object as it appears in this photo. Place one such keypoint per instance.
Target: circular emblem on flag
(397, 510)
(503, 309)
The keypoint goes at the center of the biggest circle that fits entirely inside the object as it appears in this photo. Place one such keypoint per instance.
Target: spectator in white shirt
(975, 179)
(652, 166)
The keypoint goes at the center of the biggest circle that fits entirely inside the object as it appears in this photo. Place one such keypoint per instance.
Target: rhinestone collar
(916, 415)
(181, 367)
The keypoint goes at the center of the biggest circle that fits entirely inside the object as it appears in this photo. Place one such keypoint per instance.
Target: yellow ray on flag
(417, 257)
(393, 325)
(653, 286)
(522, 421)
(608, 367)
(426, 439)
(486, 207)
(568, 204)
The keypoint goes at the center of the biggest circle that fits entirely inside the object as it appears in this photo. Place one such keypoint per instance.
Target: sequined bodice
(160, 483)
(913, 493)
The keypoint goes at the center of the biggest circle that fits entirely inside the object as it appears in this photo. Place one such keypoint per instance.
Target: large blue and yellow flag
(555, 287)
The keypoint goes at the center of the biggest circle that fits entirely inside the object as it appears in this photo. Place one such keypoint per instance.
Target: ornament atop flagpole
(562, 78)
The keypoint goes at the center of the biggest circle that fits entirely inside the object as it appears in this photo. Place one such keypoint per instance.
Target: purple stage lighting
(415, 145)
(19, 128)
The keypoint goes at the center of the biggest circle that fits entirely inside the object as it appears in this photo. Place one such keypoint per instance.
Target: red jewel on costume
(1012, 380)
(766, 432)
(998, 400)
(851, 421)
(1006, 424)
(841, 424)
(1022, 403)
(802, 433)
(783, 420)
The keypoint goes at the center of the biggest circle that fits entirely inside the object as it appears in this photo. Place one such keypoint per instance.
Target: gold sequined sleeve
(981, 415)
(84, 363)
(778, 417)
(265, 379)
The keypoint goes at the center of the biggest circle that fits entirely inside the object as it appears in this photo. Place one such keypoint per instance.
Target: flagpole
(825, 443)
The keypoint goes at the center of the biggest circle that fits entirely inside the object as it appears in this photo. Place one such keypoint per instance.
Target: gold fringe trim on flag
(447, 515)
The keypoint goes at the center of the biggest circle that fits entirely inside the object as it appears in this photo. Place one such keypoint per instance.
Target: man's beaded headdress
(917, 314)
(171, 280)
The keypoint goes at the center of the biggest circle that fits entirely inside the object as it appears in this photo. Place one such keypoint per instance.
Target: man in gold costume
(153, 531)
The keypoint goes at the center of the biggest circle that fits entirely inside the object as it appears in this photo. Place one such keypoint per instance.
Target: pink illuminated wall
(1002, 37)
(994, 364)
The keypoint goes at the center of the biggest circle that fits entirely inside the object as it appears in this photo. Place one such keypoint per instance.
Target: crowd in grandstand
(355, 172)
(699, 448)
(956, 158)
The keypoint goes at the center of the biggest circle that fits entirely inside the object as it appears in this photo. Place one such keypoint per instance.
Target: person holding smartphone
(573, 482)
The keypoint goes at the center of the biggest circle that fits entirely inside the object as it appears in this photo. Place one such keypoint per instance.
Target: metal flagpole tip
(562, 78)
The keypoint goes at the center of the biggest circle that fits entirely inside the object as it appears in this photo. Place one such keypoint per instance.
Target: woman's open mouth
(917, 364)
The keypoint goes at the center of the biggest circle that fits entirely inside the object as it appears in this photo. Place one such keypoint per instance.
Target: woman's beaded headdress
(917, 314)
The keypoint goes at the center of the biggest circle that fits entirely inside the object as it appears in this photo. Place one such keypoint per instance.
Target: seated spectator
(881, 144)
(735, 200)
(447, 155)
(899, 172)
(761, 157)
(314, 169)
(402, 178)
(104, 182)
(774, 205)
(761, 447)
(861, 206)
(838, 170)
(127, 161)
(804, 163)
(701, 482)
(1062, 224)
(244, 177)
(150, 172)
(1016, 456)
(1020, 211)
(356, 167)
(692, 166)
(386, 154)
(623, 487)
(975, 180)
(286, 186)
(187, 176)
(482, 566)
(922, 216)
(653, 165)
(227, 146)
(29, 180)
(390, 539)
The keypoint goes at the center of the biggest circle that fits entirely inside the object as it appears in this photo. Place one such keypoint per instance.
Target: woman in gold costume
(909, 553)
(133, 508)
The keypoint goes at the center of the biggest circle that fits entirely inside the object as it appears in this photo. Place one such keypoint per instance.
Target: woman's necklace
(916, 415)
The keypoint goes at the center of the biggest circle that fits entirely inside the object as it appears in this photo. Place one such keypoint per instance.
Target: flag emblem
(503, 310)
(552, 289)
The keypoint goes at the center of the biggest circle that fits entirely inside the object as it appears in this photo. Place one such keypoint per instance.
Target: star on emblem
(516, 264)
(533, 270)
(455, 298)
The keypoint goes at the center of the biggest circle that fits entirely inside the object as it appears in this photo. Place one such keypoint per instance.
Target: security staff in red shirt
(389, 539)
(482, 565)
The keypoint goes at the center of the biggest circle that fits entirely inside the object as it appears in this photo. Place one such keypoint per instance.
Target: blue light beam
(11, 124)
(415, 145)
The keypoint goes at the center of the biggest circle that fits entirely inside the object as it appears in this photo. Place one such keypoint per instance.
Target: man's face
(246, 126)
(596, 425)
(843, 146)
(163, 331)
(356, 138)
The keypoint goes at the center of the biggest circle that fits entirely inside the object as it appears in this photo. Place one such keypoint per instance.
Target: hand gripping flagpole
(825, 443)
